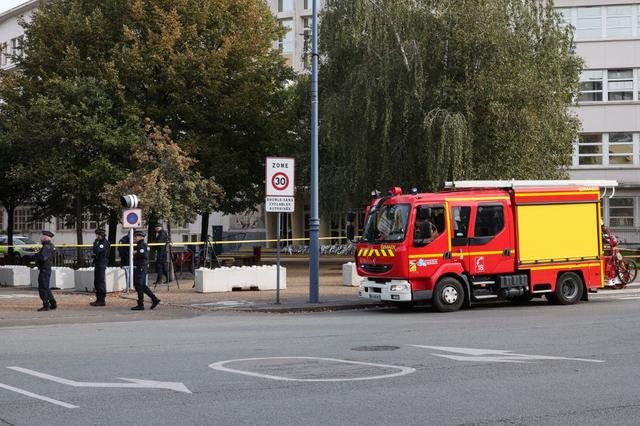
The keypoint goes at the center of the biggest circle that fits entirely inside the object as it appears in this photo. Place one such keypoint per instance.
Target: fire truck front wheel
(448, 295)
(569, 288)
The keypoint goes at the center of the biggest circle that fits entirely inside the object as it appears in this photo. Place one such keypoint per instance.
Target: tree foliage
(416, 92)
(164, 179)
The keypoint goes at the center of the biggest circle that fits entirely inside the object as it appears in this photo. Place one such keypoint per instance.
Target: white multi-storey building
(607, 37)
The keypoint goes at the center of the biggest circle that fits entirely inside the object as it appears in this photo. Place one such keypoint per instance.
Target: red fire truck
(483, 240)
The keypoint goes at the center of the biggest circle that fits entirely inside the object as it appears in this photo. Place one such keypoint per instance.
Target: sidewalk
(21, 302)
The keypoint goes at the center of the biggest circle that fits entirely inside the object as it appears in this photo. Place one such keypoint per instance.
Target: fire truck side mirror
(351, 232)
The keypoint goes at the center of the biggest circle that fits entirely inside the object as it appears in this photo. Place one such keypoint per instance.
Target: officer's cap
(157, 225)
(48, 234)
(139, 234)
(101, 232)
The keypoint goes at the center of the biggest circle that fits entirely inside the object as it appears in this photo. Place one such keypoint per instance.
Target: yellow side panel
(558, 232)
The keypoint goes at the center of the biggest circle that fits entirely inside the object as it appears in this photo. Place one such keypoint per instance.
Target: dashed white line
(36, 396)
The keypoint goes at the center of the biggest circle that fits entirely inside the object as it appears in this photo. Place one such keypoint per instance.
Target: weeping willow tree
(416, 92)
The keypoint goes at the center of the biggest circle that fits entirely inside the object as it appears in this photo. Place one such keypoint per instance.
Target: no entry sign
(280, 177)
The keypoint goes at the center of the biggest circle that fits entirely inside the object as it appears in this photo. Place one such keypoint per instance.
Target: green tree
(419, 92)
(204, 68)
(164, 179)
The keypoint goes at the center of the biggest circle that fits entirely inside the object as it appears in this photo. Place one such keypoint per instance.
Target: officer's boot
(53, 304)
(45, 307)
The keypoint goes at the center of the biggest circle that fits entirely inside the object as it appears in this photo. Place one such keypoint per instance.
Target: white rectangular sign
(280, 204)
(280, 177)
(132, 218)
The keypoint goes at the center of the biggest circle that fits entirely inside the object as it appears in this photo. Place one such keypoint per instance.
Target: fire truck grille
(376, 269)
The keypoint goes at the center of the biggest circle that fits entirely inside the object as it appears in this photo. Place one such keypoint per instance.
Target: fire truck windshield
(387, 223)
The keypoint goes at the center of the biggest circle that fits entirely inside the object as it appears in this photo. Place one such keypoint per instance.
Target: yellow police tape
(182, 244)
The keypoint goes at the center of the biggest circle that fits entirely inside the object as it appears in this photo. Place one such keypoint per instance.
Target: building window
(285, 5)
(306, 4)
(619, 20)
(286, 42)
(589, 22)
(16, 46)
(306, 36)
(591, 86)
(68, 223)
(23, 220)
(4, 54)
(620, 148)
(590, 149)
(621, 211)
(620, 85)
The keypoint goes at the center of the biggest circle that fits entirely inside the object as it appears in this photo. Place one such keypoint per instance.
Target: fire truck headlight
(400, 287)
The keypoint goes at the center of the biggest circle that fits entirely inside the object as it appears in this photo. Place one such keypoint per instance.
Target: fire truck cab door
(491, 242)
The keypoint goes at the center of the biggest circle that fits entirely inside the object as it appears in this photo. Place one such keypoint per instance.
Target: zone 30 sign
(280, 178)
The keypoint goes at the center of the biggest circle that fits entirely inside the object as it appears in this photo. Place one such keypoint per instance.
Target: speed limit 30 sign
(280, 186)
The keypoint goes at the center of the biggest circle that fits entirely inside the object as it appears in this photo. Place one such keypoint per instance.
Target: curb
(284, 309)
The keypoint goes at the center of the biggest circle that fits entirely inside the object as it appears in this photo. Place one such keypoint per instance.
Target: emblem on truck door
(480, 264)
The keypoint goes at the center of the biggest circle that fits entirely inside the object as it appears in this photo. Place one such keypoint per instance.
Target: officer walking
(101, 249)
(161, 236)
(140, 261)
(43, 262)
(123, 252)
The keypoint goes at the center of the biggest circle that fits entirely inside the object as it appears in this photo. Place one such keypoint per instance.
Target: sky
(9, 4)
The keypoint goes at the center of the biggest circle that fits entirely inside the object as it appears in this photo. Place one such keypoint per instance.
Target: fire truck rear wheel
(448, 296)
(569, 288)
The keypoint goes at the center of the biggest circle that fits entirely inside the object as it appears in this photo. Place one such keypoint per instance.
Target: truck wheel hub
(449, 295)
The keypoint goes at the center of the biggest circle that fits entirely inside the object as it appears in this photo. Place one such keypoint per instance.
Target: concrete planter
(350, 277)
(61, 278)
(114, 278)
(239, 278)
(15, 276)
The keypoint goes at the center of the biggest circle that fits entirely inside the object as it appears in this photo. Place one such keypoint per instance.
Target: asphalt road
(521, 375)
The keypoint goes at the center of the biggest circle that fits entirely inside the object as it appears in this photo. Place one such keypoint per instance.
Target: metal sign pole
(314, 220)
(278, 259)
(130, 271)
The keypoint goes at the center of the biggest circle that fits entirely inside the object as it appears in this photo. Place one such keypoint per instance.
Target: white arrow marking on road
(135, 383)
(495, 355)
(36, 396)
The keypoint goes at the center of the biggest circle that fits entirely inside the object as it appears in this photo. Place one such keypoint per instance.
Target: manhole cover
(375, 348)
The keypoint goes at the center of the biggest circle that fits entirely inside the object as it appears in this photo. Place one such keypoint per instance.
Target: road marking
(629, 298)
(493, 355)
(36, 396)
(135, 383)
(18, 296)
(403, 370)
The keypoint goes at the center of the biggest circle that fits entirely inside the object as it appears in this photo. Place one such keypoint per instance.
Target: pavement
(493, 364)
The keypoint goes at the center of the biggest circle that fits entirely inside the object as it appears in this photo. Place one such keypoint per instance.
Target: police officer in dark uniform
(43, 261)
(140, 261)
(101, 249)
(162, 237)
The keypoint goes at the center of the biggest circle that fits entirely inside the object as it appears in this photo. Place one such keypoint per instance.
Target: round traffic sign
(280, 181)
(132, 218)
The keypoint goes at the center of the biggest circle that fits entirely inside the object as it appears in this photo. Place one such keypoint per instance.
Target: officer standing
(162, 237)
(101, 249)
(43, 262)
(123, 252)
(140, 261)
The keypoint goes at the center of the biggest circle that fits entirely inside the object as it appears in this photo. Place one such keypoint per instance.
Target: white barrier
(114, 278)
(15, 276)
(224, 279)
(61, 278)
(350, 277)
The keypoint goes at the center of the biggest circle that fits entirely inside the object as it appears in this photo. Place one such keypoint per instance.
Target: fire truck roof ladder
(479, 184)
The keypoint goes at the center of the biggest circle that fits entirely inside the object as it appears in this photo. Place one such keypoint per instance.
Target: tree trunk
(10, 225)
(204, 229)
(113, 235)
(79, 231)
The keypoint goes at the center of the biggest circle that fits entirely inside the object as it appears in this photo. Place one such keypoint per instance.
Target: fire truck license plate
(374, 296)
